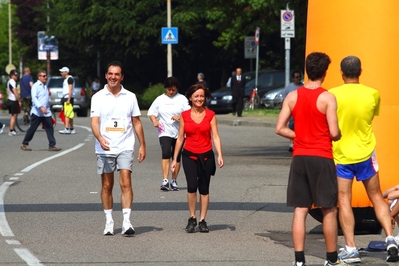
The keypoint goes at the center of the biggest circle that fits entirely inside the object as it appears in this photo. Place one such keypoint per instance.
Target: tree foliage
(211, 36)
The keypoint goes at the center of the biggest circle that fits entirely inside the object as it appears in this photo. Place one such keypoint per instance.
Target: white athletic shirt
(10, 85)
(65, 87)
(164, 107)
(116, 113)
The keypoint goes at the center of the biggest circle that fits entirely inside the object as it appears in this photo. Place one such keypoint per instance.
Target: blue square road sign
(170, 35)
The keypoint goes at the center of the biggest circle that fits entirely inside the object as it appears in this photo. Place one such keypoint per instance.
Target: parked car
(273, 98)
(221, 100)
(80, 105)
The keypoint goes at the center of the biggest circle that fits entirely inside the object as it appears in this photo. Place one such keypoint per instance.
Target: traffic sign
(287, 24)
(170, 35)
(257, 32)
(249, 47)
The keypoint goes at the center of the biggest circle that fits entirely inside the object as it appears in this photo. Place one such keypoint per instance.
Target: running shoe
(13, 133)
(65, 131)
(109, 229)
(73, 131)
(165, 185)
(297, 263)
(127, 228)
(392, 250)
(2, 128)
(397, 239)
(173, 185)
(192, 223)
(203, 228)
(349, 257)
(338, 262)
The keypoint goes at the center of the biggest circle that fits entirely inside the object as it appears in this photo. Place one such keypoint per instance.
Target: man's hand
(43, 109)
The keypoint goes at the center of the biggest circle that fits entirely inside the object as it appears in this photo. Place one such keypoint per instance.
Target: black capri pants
(168, 148)
(198, 169)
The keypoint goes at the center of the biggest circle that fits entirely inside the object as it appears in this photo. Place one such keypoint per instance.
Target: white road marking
(27, 169)
(27, 256)
(5, 229)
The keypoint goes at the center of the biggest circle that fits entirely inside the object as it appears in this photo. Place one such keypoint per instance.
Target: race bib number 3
(115, 125)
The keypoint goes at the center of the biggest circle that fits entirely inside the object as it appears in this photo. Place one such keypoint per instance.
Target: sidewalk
(259, 121)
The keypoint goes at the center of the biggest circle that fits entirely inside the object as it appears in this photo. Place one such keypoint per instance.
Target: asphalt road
(51, 214)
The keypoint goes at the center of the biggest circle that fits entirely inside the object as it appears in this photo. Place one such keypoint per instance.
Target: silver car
(80, 104)
(272, 99)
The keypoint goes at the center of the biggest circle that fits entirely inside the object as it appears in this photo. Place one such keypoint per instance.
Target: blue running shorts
(362, 171)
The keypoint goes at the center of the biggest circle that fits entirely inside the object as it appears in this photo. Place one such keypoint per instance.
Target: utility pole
(9, 34)
(169, 52)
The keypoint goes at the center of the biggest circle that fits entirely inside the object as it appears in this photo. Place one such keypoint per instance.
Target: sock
(332, 256)
(350, 249)
(300, 256)
(126, 214)
(71, 128)
(108, 215)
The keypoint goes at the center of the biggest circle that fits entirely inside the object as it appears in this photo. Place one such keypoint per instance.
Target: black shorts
(168, 148)
(63, 100)
(312, 180)
(13, 107)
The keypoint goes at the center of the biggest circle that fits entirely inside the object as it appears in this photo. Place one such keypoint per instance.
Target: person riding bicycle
(26, 84)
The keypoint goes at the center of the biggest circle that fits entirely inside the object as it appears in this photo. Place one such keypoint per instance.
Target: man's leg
(299, 228)
(126, 187)
(34, 124)
(330, 228)
(381, 208)
(346, 217)
(13, 119)
(107, 182)
(48, 125)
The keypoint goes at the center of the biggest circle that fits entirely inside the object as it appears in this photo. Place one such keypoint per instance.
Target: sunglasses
(297, 77)
(43, 76)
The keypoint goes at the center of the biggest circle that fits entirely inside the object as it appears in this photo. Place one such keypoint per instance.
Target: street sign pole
(169, 52)
(287, 32)
(257, 34)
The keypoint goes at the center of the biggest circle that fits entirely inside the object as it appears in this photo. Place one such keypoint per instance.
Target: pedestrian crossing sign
(170, 35)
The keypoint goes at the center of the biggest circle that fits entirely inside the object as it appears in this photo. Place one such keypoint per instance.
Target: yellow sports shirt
(357, 106)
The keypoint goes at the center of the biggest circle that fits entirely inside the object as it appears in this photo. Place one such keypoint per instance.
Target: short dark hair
(117, 64)
(170, 82)
(316, 65)
(351, 66)
(40, 72)
(296, 72)
(194, 88)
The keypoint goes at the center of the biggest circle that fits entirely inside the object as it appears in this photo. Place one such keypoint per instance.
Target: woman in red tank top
(198, 127)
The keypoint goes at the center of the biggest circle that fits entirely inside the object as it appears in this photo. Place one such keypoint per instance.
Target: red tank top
(311, 127)
(198, 136)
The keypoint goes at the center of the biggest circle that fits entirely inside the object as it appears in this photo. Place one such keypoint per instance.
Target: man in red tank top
(316, 125)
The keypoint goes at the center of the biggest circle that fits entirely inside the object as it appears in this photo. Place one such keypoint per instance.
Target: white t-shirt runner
(115, 113)
(164, 107)
(11, 84)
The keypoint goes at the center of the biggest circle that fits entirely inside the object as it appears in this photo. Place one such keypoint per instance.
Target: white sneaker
(73, 131)
(165, 185)
(109, 229)
(65, 131)
(127, 228)
(2, 128)
(173, 185)
(13, 133)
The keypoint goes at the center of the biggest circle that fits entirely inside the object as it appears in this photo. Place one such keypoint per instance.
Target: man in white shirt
(115, 114)
(68, 94)
(13, 102)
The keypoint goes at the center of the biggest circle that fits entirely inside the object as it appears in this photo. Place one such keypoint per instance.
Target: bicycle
(254, 99)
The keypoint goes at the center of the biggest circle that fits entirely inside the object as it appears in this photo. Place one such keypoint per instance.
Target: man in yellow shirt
(354, 155)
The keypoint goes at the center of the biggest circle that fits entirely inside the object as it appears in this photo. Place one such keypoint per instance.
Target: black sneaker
(192, 223)
(165, 185)
(392, 250)
(203, 228)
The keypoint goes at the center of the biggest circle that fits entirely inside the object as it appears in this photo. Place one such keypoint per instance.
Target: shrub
(149, 95)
